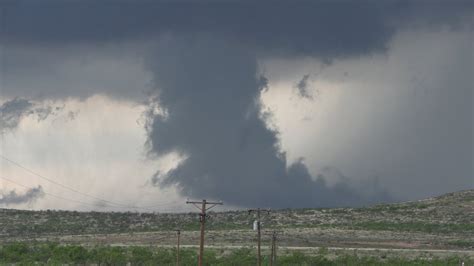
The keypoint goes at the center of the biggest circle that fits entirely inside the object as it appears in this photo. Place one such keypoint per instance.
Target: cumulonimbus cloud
(203, 60)
(51, 52)
(211, 95)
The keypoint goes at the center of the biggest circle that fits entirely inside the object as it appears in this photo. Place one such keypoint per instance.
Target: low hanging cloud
(206, 79)
(214, 118)
(14, 198)
(13, 111)
(101, 55)
(303, 89)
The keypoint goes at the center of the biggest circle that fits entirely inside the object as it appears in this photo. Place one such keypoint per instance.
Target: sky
(140, 105)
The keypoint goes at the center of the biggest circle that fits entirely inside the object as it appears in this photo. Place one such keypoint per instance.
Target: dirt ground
(306, 240)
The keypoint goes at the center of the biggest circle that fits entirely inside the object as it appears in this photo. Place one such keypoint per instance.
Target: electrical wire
(59, 184)
(47, 193)
(117, 204)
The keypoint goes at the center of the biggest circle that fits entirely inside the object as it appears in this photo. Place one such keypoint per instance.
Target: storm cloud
(11, 112)
(204, 61)
(210, 92)
(50, 47)
(303, 89)
(14, 198)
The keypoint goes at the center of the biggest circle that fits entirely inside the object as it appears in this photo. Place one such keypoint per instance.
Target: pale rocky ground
(441, 226)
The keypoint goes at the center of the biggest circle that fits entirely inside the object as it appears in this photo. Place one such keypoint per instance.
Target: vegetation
(55, 254)
(462, 243)
(423, 232)
(451, 213)
(416, 227)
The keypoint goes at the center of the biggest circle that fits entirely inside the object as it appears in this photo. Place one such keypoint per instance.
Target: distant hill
(451, 213)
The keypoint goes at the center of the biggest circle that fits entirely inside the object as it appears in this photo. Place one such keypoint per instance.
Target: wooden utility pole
(273, 252)
(202, 220)
(258, 210)
(178, 232)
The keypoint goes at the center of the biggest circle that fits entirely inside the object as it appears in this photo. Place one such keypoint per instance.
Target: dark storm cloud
(14, 198)
(309, 27)
(268, 25)
(210, 91)
(67, 48)
(203, 60)
(302, 88)
(11, 112)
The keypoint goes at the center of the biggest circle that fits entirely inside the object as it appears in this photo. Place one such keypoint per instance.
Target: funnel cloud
(213, 116)
(393, 83)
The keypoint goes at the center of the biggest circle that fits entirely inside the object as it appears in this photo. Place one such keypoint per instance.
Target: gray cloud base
(203, 60)
(213, 116)
(13, 198)
(48, 48)
(12, 111)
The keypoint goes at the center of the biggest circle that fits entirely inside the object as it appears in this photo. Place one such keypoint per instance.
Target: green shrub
(54, 254)
(141, 256)
(14, 252)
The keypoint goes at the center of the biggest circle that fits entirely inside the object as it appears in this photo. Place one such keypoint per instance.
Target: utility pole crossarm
(207, 202)
(202, 219)
(213, 204)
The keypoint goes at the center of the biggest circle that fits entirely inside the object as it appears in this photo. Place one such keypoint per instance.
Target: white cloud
(404, 117)
(100, 152)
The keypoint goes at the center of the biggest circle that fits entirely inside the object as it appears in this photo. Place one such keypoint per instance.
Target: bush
(14, 252)
(54, 254)
(243, 256)
(141, 256)
(108, 256)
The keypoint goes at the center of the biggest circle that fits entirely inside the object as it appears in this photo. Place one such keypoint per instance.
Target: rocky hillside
(447, 214)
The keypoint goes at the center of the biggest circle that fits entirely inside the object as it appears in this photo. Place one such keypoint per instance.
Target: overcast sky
(138, 105)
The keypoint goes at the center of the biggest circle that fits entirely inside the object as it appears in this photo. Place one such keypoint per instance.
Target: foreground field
(55, 254)
(436, 230)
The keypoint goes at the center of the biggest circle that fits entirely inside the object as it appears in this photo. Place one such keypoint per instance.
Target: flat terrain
(440, 226)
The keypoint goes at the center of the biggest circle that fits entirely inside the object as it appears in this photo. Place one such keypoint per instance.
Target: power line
(59, 184)
(48, 194)
(60, 197)
(167, 204)
(70, 188)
